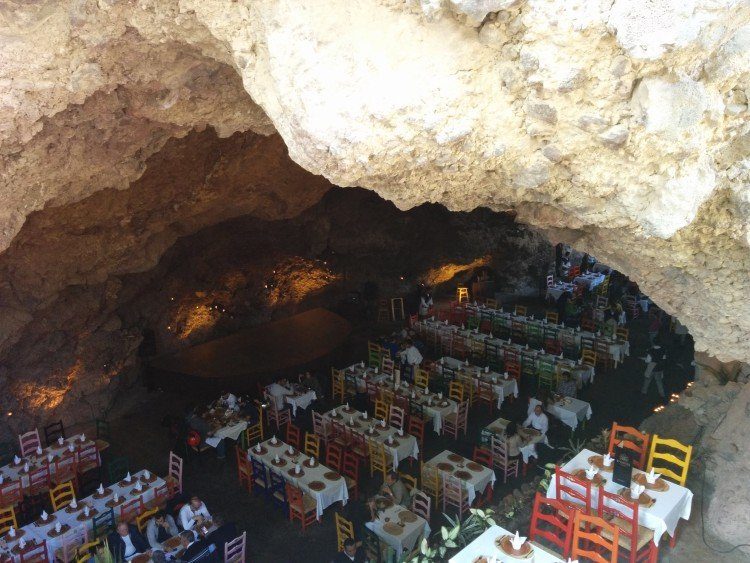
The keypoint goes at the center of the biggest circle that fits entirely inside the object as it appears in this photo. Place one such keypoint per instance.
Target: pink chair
(455, 422)
(320, 427)
(29, 442)
(455, 495)
(500, 459)
(71, 541)
(421, 504)
(234, 551)
(174, 476)
(35, 553)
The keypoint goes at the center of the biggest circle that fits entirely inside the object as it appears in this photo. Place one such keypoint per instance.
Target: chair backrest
(130, 509)
(552, 520)
(11, 492)
(104, 523)
(623, 513)
(54, 431)
(333, 456)
(7, 519)
(259, 472)
(514, 370)
(396, 418)
(483, 456)
(29, 442)
(453, 490)
(39, 480)
(35, 553)
(319, 425)
(381, 410)
(294, 497)
(344, 530)
(62, 495)
(86, 552)
(293, 435)
(161, 494)
(65, 466)
(87, 457)
(142, 519)
(463, 414)
(520, 310)
(350, 466)
(387, 366)
(499, 450)
(573, 491)
(408, 480)
(631, 439)
(175, 471)
(72, 540)
(312, 445)
(670, 458)
(421, 504)
(456, 391)
(416, 428)
(589, 541)
(422, 378)
(234, 550)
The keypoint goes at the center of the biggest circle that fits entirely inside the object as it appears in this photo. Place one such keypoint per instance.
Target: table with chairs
(569, 410)
(502, 385)
(417, 400)
(472, 477)
(497, 428)
(399, 528)
(224, 423)
(485, 546)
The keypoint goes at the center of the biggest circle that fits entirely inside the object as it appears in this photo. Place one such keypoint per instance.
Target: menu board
(623, 466)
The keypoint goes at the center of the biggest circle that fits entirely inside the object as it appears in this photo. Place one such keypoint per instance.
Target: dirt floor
(615, 396)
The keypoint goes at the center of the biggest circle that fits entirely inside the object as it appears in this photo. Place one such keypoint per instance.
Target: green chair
(546, 375)
(534, 336)
(472, 323)
(117, 469)
(104, 524)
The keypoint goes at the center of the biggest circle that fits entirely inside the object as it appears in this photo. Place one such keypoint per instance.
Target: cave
(187, 180)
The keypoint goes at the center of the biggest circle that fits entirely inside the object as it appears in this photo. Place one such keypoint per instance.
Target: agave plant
(544, 483)
(103, 554)
(573, 448)
(454, 536)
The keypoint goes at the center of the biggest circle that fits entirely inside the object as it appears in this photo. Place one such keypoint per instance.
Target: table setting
(436, 406)
(498, 545)
(502, 384)
(531, 436)
(569, 410)
(223, 423)
(475, 477)
(363, 373)
(399, 527)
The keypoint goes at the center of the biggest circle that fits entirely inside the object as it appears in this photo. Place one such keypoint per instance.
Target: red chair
(29, 442)
(572, 491)
(632, 439)
(588, 325)
(161, 496)
(87, 458)
(174, 476)
(301, 507)
(293, 436)
(514, 370)
(553, 346)
(552, 520)
(333, 456)
(482, 456)
(350, 470)
(130, 510)
(11, 493)
(244, 470)
(416, 429)
(35, 553)
(66, 469)
(637, 540)
(358, 445)
(39, 481)
(589, 540)
(455, 422)
(396, 417)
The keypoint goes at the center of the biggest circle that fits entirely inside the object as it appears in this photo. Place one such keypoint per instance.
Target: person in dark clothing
(195, 550)
(224, 533)
(195, 422)
(126, 541)
(656, 361)
(352, 553)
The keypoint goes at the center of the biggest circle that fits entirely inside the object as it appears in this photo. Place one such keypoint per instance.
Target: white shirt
(538, 421)
(230, 401)
(277, 393)
(411, 356)
(424, 305)
(129, 547)
(187, 515)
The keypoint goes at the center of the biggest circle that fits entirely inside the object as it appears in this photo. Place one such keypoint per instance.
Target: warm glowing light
(10, 413)
(447, 272)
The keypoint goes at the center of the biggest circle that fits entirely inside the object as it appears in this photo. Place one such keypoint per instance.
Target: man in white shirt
(537, 420)
(410, 355)
(193, 513)
(228, 400)
(278, 390)
(425, 303)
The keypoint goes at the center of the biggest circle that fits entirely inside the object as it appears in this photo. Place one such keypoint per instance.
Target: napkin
(138, 486)
(351, 420)
(257, 447)
(2, 478)
(39, 450)
(83, 437)
(128, 478)
(74, 503)
(400, 431)
(275, 441)
(636, 490)
(346, 405)
(527, 346)
(560, 356)
(71, 447)
(115, 497)
(505, 375)
(26, 467)
(476, 331)
(413, 394)
(22, 543)
(100, 490)
(50, 457)
(312, 460)
(591, 472)
(651, 477)
(382, 423)
(60, 440)
(486, 369)
(147, 473)
(12, 532)
(562, 324)
(607, 460)
(463, 327)
(390, 439)
(579, 362)
(361, 364)
(440, 395)
(446, 321)
(297, 469)
(466, 362)
(442, 361)
(491, 335)
(291, 449)
(578, 329)
(541, 349)
(276, 458)
(45, 516)
(16, 459)
(376, 369)
(432, 318)
(426, 390)
(517, 541)
(58, 527)
(364, 415)
(86, 510)
(479, 371)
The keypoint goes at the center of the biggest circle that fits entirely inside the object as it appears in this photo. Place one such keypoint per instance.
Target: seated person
(196, 422)
(537, 420)
(224, 533)
(278, 390)
(193, 514)
(228, 400)
(311, 382)
(159, 529)
(567, 386)
(195, 550)
(394, 488)
(352, 553)
(126, 541)
(409, 354)
(513, 440)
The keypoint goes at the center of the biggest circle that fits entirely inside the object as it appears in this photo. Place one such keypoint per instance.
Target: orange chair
(301, 507)
(66, 469)
(350, 470)
(589, 540)
(39, 481)
(161, 496)
(482, 456)
(552, 521)
(130, 510)
(637, 540)
(293, 436)
(514, 370)
(631, 439)
(11, 493)
(244, 470)
(333, 456)
(572, 491)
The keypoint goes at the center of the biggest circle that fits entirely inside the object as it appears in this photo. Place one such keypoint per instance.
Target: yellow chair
(490, 303)
(668, 452)
(622, 333)
(254, 433)
(344, 531)
(422, 378)
(462, 294)
(142, 519)
(378, 458)
(520, 310)
(312, 445)
(588, 358)
(431, 484)
(408, 480)
(83, 553)
(62, 495)
(456, 391)
(552, 317)
(338, 385)
(381, 410)
(7, 519)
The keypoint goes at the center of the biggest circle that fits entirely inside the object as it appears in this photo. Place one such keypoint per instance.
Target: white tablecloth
(411, 533)
(407, 444)
(590, 280)
(232, 432)
(485, 545)
(479, 479)
(527, 451)
(663, 516)
(362, 374)
(558, 289)
(301, 401)
(500, 386)
(40, 533)
(573, 411)
(334, 491)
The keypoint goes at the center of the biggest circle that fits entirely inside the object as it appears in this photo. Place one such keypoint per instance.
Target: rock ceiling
(619, 126)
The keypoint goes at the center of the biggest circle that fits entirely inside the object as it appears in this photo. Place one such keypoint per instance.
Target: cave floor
(140, 435)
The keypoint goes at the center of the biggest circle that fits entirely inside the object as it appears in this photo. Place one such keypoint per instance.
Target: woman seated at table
(159, 529)
(514, 441)
(567, 386)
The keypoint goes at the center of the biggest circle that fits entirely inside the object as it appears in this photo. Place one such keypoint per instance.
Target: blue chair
(276, 492)
(260, 476)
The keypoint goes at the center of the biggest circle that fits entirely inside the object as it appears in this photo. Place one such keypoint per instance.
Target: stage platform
(257, 353)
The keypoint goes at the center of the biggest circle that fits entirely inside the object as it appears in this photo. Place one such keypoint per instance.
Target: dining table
(555, 290)
(590, 280)
(397, 442)
(300, 399)
(669, 506)
(320, 482)
(531, 436)
(502, 385)
(223, 423)
(473, 476)
(435, 405)
(569, 410)
(69, 518)
(486, 545)
(363, 373)
(399, 528)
